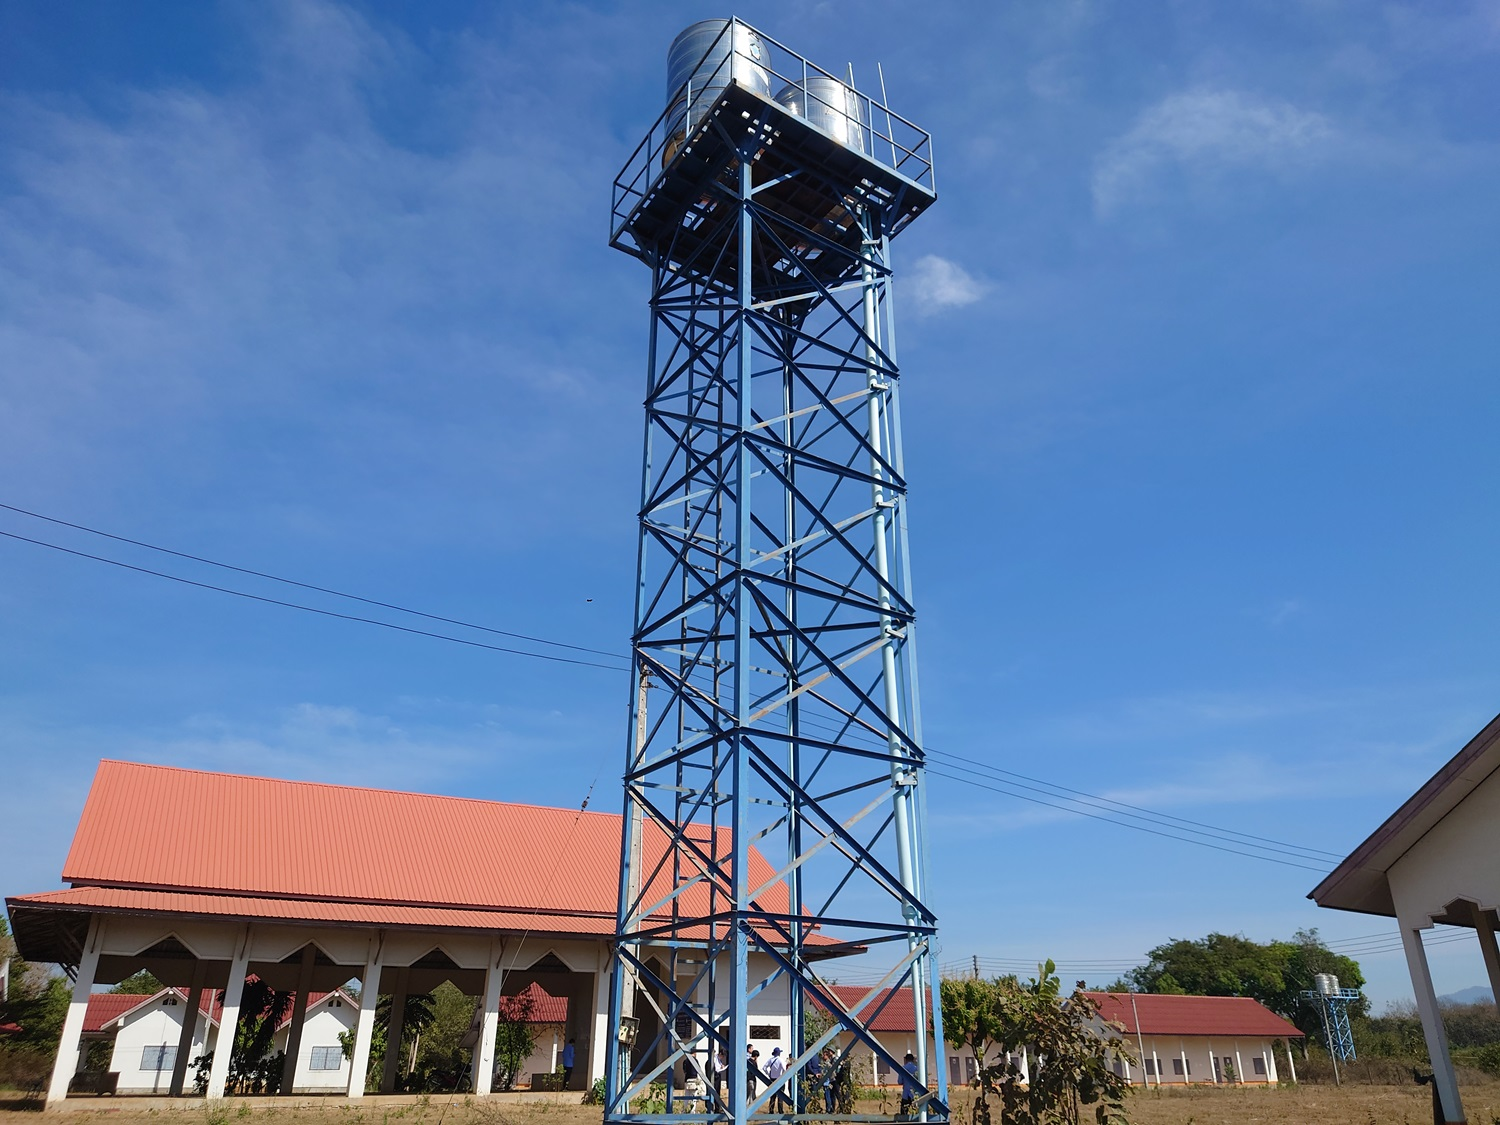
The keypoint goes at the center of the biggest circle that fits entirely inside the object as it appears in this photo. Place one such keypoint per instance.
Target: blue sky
(1200, 348)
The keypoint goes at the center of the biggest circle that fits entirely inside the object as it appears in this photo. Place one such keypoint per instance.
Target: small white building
(146, 1033)
(1433, 862)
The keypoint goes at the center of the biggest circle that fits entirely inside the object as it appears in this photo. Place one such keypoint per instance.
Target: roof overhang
(1360, 882)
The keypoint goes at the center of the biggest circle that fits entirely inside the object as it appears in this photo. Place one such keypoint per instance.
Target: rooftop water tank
(701, 62)
(1326, 983)
(832, 106)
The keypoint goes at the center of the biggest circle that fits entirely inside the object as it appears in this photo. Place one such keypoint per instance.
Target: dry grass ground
(1301, 1105)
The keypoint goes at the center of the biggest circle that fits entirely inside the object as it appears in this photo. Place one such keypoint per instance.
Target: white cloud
(935, 284)
(1206, 133)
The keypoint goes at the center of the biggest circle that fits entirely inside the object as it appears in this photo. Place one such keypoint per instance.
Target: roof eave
(1382, 848)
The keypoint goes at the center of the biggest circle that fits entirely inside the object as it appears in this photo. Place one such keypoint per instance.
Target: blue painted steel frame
(1338, 1036)
(774, 810)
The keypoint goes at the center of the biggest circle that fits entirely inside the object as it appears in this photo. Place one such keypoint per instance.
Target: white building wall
(324, 1024)
(1454, 860)
(1177, 1060)
(158, 1025)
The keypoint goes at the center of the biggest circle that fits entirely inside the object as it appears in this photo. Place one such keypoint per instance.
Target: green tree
(1070, 1046)
(253, 1069)
(139, 984)
(515, 1038)
(975, 1015)
(1275, 973)
(1217, 965)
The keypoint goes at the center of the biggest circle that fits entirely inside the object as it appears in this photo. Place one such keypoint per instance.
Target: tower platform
(676, 205)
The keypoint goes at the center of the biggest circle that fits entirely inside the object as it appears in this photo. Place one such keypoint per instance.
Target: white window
(326, 1058)
(158, 1058)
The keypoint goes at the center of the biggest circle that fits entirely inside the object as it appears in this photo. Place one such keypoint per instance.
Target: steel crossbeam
(773, 790)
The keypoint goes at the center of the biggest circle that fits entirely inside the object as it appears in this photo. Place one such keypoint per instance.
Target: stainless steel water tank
(701, 62)
(833, 107)
(1326, 983)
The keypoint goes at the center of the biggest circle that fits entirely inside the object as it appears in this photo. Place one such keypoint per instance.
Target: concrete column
(189, 1026)
(1268, 1060)
(1290, 1062)
(68, 1053)
(600, 1029)
(1213, 1063)
(1484, 926)
(1239, 1066)
(1432, 1023)
(489, 1019)
(393, 1033)
(1155, 1064)
(229, 1016)
(364, 1025)
(299, 1017)
(1187, 1075)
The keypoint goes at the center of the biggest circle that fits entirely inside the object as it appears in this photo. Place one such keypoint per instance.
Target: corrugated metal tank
(735, 54)
(831, 106)
(1326, 983)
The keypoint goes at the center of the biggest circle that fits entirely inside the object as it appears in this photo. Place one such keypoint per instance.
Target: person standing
(908, 1084)
(812, 1078)
(831, 1076)
(567, 1061)
(721, 1072)
(752, 1072)
(774, 1070)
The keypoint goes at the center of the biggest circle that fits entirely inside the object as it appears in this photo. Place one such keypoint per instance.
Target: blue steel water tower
(774, 796)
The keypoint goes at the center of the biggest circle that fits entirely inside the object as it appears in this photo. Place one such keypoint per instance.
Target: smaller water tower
(1332, 1003)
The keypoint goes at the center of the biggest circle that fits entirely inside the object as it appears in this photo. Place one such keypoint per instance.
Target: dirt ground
(1300, 1105)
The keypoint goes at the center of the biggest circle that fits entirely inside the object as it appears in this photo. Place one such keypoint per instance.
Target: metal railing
(888, 138)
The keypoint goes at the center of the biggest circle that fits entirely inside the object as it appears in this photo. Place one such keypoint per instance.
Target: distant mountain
(1478, 994)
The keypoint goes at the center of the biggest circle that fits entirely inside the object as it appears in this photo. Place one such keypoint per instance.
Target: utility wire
(309, 608)
(303, 585)
(1108, 809)
(1308, 853)
(972, 780)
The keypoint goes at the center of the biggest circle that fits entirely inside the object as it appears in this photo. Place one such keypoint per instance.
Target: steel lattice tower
(773, 791)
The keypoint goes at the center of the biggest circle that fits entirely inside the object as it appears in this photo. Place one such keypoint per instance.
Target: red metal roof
(545, 1008)
(106, 1007)
(898, 1015)
(1193, 1015)
(169, 830)
(301, 910)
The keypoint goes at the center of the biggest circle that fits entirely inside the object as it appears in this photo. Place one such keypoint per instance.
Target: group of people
(820, 1072)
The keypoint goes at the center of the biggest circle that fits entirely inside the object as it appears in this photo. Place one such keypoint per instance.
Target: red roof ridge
(352, 788)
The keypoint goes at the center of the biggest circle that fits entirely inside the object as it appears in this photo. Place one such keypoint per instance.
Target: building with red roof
(1175, 1039)
(145, 1034)
(206, 878)
(1185, 1039)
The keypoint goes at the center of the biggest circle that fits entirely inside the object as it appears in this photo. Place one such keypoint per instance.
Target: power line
(972, 780)
(1379, 945)
(303, 585)
(1107, 809)
(1308, 852)
(309, 608)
